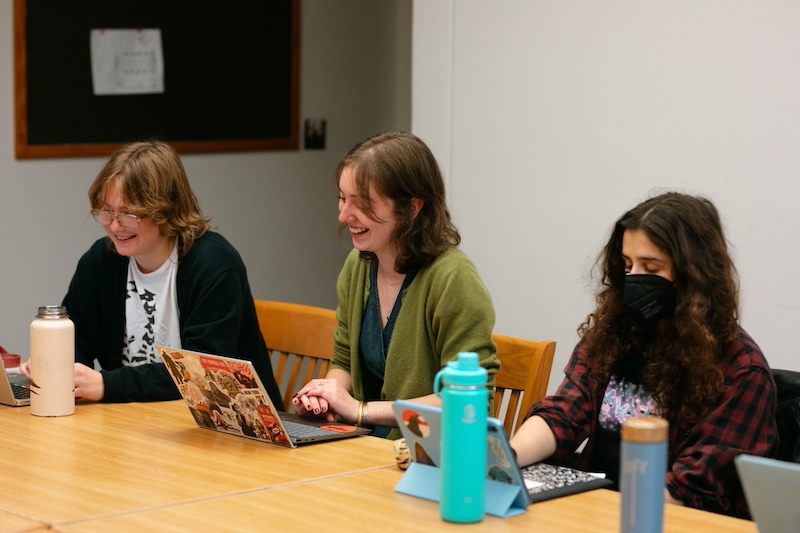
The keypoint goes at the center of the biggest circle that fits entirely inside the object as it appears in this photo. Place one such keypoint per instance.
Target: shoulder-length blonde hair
(153, 184)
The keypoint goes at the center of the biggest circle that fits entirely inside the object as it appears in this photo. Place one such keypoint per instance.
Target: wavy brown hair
(153, 184)
(401, 167)
(682, 360)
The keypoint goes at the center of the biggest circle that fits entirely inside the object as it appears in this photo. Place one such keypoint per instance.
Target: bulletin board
(230, 77)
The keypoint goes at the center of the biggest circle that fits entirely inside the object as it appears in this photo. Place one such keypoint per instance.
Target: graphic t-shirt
(624, 398)
(151, 312)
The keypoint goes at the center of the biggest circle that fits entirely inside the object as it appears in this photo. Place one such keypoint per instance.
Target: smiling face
(641, 256)
(369, 234)
(147, 245)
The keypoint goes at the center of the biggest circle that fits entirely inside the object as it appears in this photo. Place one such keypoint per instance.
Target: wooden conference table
(148, 467)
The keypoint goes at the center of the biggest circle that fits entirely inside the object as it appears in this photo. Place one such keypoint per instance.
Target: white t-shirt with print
(151, 312)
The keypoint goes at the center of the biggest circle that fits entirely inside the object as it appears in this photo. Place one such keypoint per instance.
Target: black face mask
(648, 298)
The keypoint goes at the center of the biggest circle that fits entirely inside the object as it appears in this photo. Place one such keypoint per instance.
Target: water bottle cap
(52, 311)
(466, 370)
(645, 430)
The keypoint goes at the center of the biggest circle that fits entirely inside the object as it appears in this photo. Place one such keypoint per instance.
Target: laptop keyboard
(300, 431)
(21, 392)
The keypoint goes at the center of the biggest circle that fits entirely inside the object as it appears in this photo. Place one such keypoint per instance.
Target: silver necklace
(388, 288)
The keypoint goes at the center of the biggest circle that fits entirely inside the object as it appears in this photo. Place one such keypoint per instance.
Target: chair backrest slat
(297, 336)
(523, 377)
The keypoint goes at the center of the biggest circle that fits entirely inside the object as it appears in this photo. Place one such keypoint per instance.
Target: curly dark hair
(153, 184)
(401, 167)
(682, 358)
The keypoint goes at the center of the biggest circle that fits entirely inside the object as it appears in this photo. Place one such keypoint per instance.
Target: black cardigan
(216, 309)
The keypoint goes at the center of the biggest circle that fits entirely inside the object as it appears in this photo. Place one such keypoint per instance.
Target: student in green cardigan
(409, 300)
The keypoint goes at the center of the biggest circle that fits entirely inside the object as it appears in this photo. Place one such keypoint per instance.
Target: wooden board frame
(60, 142)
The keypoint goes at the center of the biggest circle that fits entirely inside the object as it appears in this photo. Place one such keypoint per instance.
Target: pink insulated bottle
(52, 363)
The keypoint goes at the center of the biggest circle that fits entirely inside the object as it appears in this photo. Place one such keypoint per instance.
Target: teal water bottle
(462, 387)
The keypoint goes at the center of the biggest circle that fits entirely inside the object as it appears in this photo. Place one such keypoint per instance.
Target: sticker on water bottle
(470, 414)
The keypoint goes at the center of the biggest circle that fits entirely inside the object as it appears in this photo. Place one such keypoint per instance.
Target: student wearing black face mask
(664, 341)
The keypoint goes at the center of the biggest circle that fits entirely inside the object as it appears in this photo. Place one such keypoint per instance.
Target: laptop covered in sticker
(225, 394)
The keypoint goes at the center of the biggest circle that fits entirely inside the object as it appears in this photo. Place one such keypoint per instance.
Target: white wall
(553, 118)
(277, 208)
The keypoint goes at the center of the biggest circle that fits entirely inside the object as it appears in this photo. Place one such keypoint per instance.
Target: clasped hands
(326, 398)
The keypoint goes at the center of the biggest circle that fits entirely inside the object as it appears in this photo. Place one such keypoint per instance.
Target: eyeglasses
(125, 220)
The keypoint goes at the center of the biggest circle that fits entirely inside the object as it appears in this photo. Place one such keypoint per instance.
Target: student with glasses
(159, 277)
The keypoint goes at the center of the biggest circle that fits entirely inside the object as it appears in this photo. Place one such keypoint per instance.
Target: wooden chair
(522, 379)
(300, 342)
